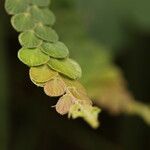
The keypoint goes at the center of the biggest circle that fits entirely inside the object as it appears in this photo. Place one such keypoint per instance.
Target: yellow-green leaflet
(32, 57)
(56, 50)
(28, 39)
(68, 67)
(42, 74)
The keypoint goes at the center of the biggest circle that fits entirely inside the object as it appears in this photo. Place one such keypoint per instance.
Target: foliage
(48, 59)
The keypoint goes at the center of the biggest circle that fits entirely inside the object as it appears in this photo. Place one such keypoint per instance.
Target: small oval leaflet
(32, 57)
(55, 87)
(74, 83)
(28, 39)
(56, 50)
(22, 22)
(41, 3)
(64, 104)
(67, 67)
(38, 84)
(42, 74)
(80, 96)
(44, 16)
(46, 33)
(16, 6)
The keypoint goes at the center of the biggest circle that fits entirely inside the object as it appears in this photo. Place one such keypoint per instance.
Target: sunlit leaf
(28, 39)
(64, 104)
(41, 3)
(56, 50)
(44, 16)
(32, 57)
(68, 67)
(55, 87)
(22, 22)
(42, 74)
(46, 33)
(16, 6)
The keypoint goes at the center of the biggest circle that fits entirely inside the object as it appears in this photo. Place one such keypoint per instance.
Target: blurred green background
(27, 121)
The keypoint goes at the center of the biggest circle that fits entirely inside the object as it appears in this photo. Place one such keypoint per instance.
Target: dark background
(27, 121)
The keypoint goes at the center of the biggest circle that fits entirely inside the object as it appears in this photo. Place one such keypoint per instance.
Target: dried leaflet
(64, 104)
(55, 87)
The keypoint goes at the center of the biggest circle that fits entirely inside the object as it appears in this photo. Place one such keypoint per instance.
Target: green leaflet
(42, 74)
(87, 112)
(16, 6)
(46, 33)
(45, 16)
(56, 50)
(55, 87)
(68, 67)
(22, 22)
(32, 57)
(28, 39)
(41, 3)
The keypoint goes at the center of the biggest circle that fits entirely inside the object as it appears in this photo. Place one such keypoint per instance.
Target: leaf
(46, 33)
(77, 90)
(64, 104)
(28, 39)
(32, 57)
(42, 74)
(22, 22)
(41, 3)
(16, 6)
(56, 50)
(45, 16)
(87, 112)
(78, 94)
(38, 84)
(67, 67)
(55, 87)
(74, 83)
